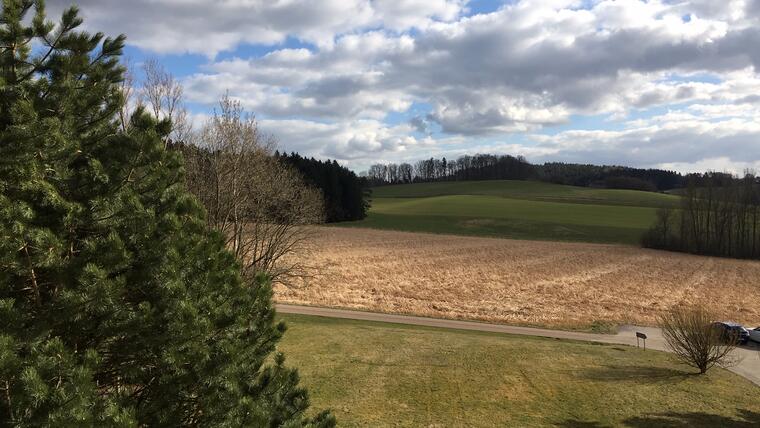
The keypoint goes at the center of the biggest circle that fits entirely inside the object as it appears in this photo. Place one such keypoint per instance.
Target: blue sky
(651, 83)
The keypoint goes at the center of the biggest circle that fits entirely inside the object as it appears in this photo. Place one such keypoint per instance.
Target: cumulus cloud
(349, 141)
(678, 79)
(209, 27)
(505, 71)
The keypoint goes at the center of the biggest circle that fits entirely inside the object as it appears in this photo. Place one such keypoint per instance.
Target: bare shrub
(691, 336)
(259, 204)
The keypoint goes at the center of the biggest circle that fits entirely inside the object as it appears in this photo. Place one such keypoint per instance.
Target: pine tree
(117, 306)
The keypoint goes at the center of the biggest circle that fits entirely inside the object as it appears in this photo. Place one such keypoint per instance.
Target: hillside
(529, 190)
(516, 209)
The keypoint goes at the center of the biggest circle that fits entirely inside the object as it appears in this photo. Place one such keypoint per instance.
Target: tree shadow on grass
(746, 419)
(573, 423)
(640, 374)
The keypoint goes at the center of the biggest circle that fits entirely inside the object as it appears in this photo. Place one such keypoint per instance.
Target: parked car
(732, 331)
(754, 334)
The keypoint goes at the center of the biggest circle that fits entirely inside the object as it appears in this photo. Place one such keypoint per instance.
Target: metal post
(643, 337)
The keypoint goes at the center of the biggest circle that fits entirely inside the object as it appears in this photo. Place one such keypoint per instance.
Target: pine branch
(33, 275)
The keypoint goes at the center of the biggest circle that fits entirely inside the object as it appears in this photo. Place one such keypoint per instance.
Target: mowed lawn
(516, 209)
(375, 374)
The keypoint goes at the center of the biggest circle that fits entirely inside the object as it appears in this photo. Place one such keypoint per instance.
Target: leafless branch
(259, 204)
(163, 95)
(691, 336)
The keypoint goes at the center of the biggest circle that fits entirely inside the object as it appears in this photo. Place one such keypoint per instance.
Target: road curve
(748, 365)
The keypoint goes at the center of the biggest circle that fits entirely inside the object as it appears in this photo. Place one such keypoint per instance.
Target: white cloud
(528, 65)
(210, 27)
(678, 139)
(348, 141)
(506, 71)
(718, 164)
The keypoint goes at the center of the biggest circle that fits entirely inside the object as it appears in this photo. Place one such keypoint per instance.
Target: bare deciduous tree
(128, 93)
(691, 336)
(163, 95)
(719, 216)
(259, 204)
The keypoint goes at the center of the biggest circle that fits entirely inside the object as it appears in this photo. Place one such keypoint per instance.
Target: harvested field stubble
(566, 285)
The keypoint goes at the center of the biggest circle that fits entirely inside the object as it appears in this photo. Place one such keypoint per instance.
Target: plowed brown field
(555, 284)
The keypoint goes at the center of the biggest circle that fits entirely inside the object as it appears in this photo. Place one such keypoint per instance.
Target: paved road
(749, 357)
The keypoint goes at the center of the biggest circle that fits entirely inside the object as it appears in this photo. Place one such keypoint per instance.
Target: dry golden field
(566, 285)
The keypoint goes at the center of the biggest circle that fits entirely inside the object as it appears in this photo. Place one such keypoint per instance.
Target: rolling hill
(516, 209)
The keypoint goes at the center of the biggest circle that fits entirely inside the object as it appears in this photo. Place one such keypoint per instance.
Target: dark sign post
(643, 337)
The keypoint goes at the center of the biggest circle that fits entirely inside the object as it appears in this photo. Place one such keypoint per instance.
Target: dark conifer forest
(346, 196)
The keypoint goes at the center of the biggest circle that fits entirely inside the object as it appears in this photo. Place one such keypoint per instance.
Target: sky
(660, 83)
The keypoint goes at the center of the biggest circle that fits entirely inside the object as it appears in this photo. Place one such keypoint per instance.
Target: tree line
(609, 176)
(719, 216)
(346, 195)
(477, 167)
(506, 167)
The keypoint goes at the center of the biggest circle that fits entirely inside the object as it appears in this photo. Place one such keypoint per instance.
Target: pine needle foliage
(117, 306)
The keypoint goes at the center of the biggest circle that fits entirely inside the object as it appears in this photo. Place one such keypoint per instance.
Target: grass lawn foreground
(376, 374)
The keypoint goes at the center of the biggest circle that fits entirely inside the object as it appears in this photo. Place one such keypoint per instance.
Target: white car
(754, 334)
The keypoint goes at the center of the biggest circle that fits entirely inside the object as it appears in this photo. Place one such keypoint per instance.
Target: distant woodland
(346, 196)
(719, 213)
(719, 216)
(506, 167)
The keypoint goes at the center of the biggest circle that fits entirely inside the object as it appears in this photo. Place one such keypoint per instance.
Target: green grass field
(375, 374)
(516, 209)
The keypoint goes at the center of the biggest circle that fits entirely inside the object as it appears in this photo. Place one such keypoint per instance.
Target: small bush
(693, 339)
